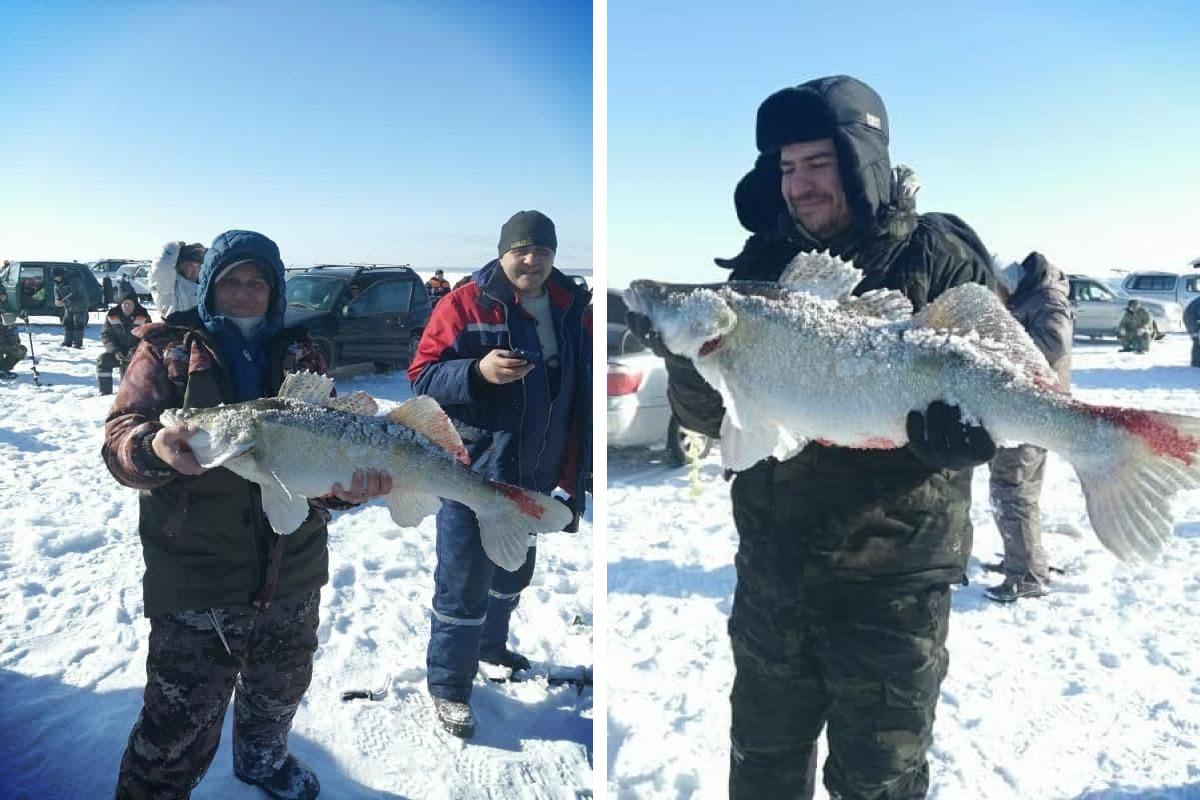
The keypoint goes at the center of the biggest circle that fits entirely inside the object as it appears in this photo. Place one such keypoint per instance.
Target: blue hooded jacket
(247, 358)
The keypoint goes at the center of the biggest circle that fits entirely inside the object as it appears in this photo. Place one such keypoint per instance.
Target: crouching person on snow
(1135, 329)
(232, 606)
(118, 339)
(11, 349)
(526, 419)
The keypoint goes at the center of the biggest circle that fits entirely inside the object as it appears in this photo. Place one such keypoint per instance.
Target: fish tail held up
(504, 527)
(1129, 495)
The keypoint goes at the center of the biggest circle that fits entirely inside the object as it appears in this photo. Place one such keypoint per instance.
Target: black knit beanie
(528, 229)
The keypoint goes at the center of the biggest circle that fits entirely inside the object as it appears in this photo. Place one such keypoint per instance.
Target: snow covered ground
(1093, 692)
(73, 639)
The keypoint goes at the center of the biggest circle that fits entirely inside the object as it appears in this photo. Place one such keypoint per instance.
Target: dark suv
(31, 288)
(360, 314)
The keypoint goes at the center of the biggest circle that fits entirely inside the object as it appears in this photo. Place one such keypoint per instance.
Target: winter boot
(503, 666)
(294, 780)
(105, 383)
(455, 716)
(1015, 588)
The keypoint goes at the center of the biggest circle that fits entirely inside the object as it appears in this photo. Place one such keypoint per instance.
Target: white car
(638, 412)
(1098, 309)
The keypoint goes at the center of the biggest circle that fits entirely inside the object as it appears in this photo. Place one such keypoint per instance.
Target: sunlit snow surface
(1093, 692)
(73, 639)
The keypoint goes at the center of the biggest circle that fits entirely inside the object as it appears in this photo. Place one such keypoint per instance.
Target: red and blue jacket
(515, 432)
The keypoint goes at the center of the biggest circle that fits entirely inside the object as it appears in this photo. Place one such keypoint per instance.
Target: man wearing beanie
(232, 605)
(845, 557)
(174, 277)
(508, 356)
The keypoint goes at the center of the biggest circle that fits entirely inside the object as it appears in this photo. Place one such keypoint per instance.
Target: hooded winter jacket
(829, 512)
(1041, 303)
(517, 432)
(205, 539)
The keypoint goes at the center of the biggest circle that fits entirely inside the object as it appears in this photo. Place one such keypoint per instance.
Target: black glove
(641, 327)
(942, 440)
(573, 525)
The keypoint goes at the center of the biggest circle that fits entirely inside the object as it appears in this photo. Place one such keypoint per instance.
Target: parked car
(360, 314)
(638, 412)
(138, 273)
(30, 286)
(107, 266)
(1098, 309)
(1165, 287)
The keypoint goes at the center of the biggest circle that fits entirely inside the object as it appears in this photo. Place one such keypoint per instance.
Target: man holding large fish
(845, 555)
(230, 602)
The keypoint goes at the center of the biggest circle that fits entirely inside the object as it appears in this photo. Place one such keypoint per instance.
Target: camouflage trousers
(864, 661)
(189, 680)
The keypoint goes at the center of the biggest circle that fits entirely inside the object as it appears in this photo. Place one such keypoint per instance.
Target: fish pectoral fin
(354, 403)
(423, 414)
(820, 274)
(285, 511)
(742, 448)
(307, 387)
(408, 508)
(223, 458)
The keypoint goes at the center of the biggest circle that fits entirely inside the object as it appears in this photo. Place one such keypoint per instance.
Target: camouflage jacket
(205, 540)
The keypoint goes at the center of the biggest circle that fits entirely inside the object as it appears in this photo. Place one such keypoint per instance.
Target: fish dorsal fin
(307, 387)
(884, 304)
(354, 403)
(822, 275)
(423, 414)
(974, 307)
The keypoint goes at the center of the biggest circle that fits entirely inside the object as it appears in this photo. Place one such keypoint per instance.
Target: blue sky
(1071, 128)
(353, 131)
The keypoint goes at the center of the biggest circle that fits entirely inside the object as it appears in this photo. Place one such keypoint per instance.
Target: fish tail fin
(1129, 487)
(504, 526)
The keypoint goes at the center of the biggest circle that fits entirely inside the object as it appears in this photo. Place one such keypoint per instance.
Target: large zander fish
(805, 360)
(297, 445)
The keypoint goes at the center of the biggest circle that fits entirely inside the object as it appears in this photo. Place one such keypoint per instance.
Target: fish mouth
(711, 346)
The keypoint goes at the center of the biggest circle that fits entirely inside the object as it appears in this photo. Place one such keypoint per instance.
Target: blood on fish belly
(870, 443)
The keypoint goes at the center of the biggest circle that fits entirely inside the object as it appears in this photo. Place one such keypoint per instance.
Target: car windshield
(313, 292)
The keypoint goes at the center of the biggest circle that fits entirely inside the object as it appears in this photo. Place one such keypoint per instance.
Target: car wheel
(414, 343)
(684, 445)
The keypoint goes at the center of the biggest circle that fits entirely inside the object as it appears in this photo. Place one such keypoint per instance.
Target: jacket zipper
(553, 400)
(524, 398)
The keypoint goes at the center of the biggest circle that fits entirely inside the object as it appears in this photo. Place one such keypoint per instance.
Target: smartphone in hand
(528, 356)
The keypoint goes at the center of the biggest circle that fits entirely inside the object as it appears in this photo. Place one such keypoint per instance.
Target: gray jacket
(1042, 305)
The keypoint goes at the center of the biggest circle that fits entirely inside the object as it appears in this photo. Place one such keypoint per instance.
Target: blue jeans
(473, 600)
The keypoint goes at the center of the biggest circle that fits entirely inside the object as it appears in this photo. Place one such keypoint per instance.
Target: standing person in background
(437, 286)
(70, 296)
(845, 557)
(117, 337)
(1038, 295)
(174, 276)
(11, 349)
(508, 357)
